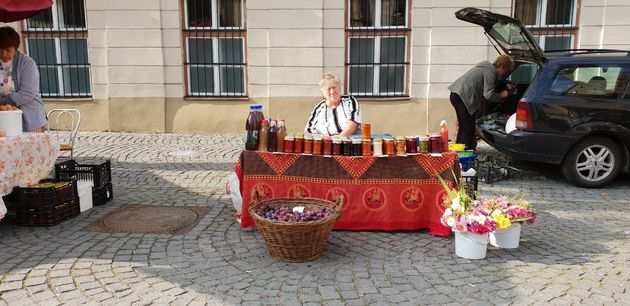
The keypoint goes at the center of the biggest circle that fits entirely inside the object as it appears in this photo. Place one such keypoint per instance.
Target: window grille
(214, 35)
(552, 22)
(57, 40)
(377, 53)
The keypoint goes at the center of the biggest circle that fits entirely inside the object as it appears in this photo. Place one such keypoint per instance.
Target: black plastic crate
(47, 215)
(45, 194)
(97, 171)
(490, 170)
(102, 195)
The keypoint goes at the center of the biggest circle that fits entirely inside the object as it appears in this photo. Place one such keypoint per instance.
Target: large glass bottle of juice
(252, 127)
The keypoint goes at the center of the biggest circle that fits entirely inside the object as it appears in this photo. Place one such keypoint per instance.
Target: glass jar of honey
(401, 144)
(317, 144)
(366, 147)
(298, 145)
(366, 131)
(336, 143)
(390, 147)
(289, 140)
(308, 144)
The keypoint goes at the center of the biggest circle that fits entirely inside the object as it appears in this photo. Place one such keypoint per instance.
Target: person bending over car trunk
(471, 89)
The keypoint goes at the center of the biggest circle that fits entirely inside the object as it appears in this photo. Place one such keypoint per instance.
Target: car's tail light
(523, 115)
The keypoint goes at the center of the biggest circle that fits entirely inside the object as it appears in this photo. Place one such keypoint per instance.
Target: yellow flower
(502, 221)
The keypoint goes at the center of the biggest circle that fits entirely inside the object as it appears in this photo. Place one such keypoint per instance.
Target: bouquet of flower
(463, 214)
(505, 211)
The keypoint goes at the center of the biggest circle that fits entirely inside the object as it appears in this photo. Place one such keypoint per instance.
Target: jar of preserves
(412, 144)
(336, 143)
(356, 147)
(436, 144)
(424, 144)
(288, 142)
(366, 131)
(327, 145)
(366, 147)
(377, 145)
(401, 144)
(346, 146)
(317, 144)
(390, 146)
(298, 146)
(308, 144)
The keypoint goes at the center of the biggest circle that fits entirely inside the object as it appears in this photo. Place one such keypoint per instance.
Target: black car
(571, 108)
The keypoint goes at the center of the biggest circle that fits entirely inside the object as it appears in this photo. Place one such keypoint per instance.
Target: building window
(552, 22)
(377, 49)
(214, 35)
(57, 40)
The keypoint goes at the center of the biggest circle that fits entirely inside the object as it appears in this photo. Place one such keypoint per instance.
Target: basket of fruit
(295, 229)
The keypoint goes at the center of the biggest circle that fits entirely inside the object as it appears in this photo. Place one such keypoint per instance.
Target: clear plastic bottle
(252, 128)
(273, 133)
(263, 136)
(444, 135)
(282, 132)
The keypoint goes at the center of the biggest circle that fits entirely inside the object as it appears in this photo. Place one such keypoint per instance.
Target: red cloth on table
(380, 193)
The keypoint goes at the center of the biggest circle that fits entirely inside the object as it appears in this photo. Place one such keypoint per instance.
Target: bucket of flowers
(469, 219)
(508, 214)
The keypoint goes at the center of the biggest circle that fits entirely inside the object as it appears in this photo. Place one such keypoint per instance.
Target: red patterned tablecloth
(24, 160)
(380, 193)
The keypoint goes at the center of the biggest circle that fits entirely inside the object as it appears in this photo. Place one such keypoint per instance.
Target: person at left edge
(336, 114)
(19, 82)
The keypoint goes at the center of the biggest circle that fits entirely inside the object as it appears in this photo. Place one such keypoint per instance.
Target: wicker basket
(296, 241)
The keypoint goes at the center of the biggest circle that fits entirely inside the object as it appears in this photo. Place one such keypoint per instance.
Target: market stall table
(380, 193)
(24, 160)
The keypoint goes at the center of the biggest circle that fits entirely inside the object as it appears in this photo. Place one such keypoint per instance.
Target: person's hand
(503, 95)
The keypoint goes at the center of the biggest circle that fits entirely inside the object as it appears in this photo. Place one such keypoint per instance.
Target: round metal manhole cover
(150, 220)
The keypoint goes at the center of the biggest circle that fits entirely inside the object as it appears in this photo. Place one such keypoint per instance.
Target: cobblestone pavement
(577, 252)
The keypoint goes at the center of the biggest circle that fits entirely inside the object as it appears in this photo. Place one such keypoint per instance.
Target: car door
(580, 98)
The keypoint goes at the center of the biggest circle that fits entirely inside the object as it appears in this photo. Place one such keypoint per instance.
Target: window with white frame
(57, 40)
(377, 52)
(214, 38)
(552, 22)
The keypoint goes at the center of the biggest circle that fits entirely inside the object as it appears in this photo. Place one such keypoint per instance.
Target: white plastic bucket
(506, 238)
(11, 122)
(85, 194)
(471, 246)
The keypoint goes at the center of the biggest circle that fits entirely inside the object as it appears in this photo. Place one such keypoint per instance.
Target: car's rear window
(589, 81)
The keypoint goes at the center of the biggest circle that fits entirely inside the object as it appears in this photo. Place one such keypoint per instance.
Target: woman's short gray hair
(329, 76)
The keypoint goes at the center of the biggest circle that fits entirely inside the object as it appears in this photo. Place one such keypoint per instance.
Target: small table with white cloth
(24, 160)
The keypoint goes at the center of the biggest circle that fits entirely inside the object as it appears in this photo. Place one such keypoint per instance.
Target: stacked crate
(97, 171)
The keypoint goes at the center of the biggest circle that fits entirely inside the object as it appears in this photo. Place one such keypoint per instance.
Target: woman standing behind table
(336, 114)
(19, 82)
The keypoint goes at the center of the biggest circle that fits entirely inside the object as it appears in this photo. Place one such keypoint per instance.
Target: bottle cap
(443, 123)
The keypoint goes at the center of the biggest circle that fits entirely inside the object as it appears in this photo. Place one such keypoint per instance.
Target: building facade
(196, 65)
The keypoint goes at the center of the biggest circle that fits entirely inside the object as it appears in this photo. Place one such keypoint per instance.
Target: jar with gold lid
(390, 146)
(401, 144)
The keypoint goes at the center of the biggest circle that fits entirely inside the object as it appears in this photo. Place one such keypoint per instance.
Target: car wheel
(593, 162)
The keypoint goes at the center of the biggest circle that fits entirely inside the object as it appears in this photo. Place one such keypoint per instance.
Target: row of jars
(336, 145)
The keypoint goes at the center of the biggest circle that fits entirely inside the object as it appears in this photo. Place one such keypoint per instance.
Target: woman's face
(331, 91)
(7, 54)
